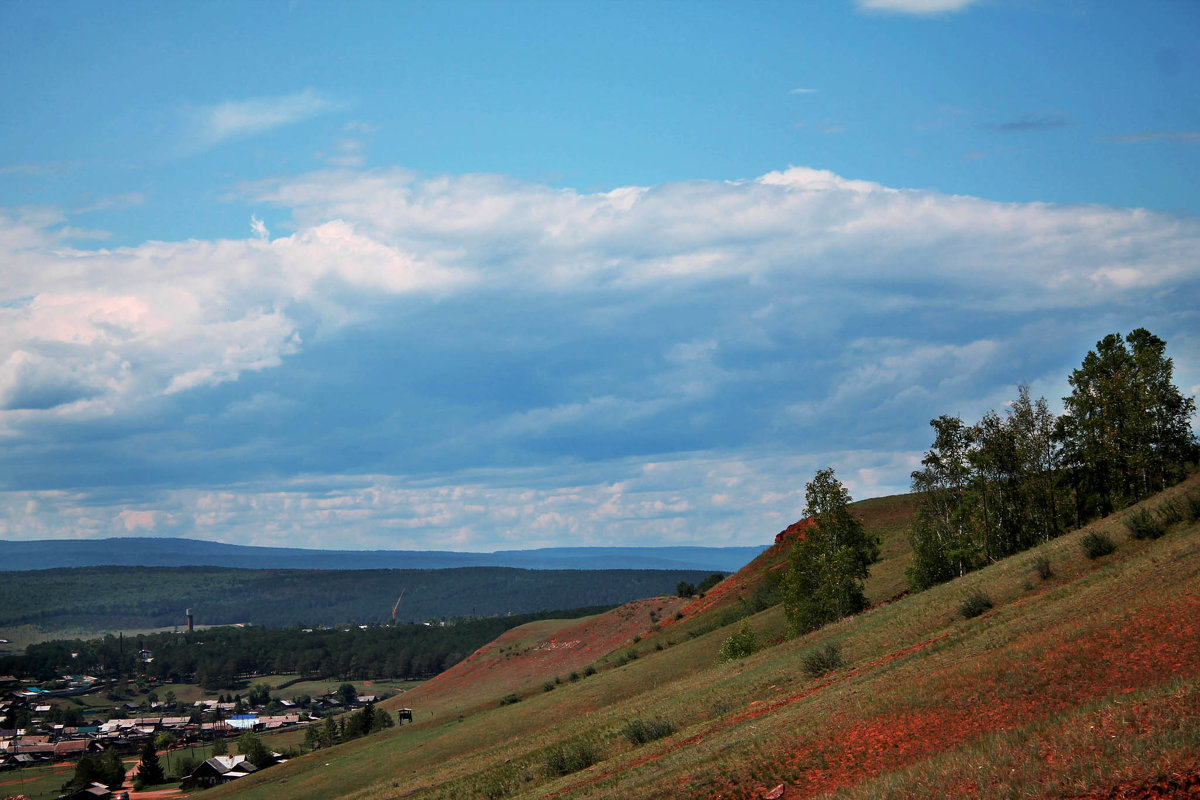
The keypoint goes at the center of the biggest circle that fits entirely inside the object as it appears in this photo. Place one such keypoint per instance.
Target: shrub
(1095, 545)
(740, 644)
(571, 757)
(640, 731)
(499, 782)
(821, 660)
(1144, 525)
(1171, 512)
(1041, 565)
(574, 676)
(975, 604)
(1191, 504)
(548, 686)
(509, 699)
(589, 671)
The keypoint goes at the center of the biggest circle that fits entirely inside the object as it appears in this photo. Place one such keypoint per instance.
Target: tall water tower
(190, 620)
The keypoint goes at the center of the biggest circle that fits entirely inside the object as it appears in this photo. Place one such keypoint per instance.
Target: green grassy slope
(1070, 686)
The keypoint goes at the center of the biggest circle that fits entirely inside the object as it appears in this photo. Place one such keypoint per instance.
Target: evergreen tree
(149, 770)
(828, 566)
(253, 749)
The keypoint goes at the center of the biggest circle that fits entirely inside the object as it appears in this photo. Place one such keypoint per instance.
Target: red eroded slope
(748, 578)
(527, 656)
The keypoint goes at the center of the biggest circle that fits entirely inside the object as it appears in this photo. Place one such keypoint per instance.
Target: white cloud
(645, 364)
(259, 228)
(914, 6)
(803, 91)
(236, 118)
(733, 501)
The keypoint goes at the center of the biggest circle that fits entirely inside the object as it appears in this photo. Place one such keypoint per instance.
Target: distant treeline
(224, 657)
(123, 598)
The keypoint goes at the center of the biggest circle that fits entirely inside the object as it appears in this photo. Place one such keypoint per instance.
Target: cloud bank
(474, 361)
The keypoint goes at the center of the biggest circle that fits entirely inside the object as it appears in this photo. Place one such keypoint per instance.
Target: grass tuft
(821, 660)
(640, 731)
(975, 604)
(563, 759)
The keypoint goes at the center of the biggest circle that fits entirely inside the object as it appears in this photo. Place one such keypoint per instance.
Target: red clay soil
(744, 581)
(1155, 646)
(567, 649)
(1176, 786)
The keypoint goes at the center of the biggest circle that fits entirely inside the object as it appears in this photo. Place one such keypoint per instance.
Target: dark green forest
(103, 599)
(227, 656)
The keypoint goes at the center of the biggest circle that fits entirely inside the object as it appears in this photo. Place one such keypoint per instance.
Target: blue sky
(494, 275)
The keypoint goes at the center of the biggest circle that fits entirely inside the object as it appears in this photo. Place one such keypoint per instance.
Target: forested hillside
(218, 657)
(98, 599)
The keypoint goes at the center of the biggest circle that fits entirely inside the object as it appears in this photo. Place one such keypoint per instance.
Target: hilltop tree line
(222, 657)
(1007, 483)
(1011, 482)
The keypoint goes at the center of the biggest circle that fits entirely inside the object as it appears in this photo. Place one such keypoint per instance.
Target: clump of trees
(685, 589)
(106, 769)
(829, 564)
(351, 726)
(1008, 483)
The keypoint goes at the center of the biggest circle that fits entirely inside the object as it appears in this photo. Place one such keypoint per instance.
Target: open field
(1076, 685)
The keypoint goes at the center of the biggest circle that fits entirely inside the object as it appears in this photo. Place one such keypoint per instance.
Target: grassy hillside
(1085, 684)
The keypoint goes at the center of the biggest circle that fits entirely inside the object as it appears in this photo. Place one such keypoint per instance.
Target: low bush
(1191, 506)
(571, 757)
(509, 699)
(1096, 545)
(589, 671)
(1041, 565)
(1144, 525)
(824, 659)
(740, 644)
(548, 686)
(1171, 512)
(975, 604)
(640, 731)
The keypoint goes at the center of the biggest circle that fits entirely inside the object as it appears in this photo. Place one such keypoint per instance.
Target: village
(202, 735)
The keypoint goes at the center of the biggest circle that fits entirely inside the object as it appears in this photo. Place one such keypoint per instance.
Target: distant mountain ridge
(168, 552)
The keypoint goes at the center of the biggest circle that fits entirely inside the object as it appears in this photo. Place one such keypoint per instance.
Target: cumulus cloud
(511, 363)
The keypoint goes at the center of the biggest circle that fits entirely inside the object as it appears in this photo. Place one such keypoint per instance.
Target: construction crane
(398, 599)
